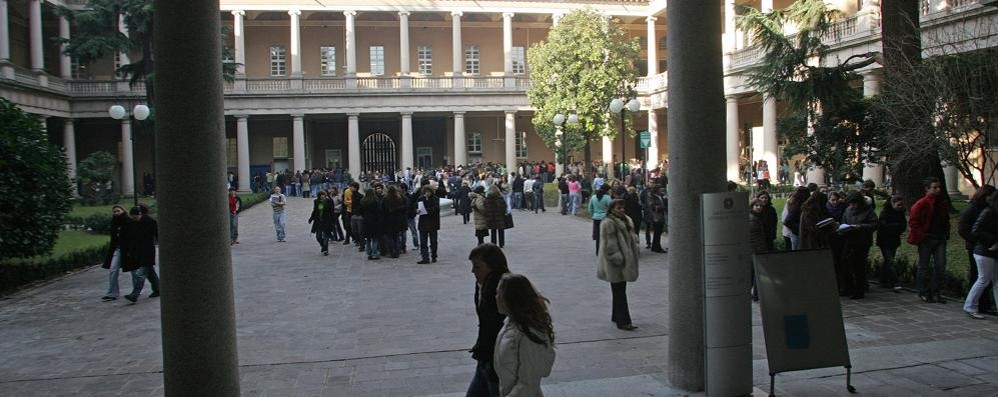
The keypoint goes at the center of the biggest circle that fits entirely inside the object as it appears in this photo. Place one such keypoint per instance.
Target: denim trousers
(888, 274)
(564, 204)
(233, 227)
(357, 228)
(573, 198)
(372, 247)
(517, 200)
(112, 282)
(139, 277)
(538, 201)
(414, 233)
(279, 219)
(929, 284)
(985, 273)
(482, 384)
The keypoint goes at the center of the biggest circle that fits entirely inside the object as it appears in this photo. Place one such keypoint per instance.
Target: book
(845, 228)
(825, 222)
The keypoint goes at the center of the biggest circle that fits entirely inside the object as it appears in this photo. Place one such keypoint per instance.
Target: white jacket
(520, 362)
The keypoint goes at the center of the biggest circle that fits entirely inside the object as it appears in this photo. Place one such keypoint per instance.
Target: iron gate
(378, 154)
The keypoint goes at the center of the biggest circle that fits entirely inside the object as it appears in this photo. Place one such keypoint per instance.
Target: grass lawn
(70, 241)
(83, 211)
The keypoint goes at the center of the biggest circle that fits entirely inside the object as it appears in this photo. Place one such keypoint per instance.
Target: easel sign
(801, 313)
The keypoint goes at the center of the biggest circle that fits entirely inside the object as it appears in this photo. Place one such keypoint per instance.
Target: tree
(94, 174)
(35, 191)
(825, 114)
(586, 61)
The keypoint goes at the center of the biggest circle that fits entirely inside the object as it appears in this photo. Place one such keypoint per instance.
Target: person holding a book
(858, 223)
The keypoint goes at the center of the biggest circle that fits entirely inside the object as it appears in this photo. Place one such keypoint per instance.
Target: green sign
(645, 139)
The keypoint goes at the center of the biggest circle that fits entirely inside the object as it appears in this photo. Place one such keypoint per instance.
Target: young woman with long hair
(525, 345)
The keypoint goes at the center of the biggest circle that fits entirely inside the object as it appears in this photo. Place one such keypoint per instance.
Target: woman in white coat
(524, 351)
(617, 262)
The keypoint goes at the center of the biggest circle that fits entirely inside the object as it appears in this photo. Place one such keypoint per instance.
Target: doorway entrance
(378, 154)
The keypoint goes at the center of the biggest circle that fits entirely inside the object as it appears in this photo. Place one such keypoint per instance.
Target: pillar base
(7, 70)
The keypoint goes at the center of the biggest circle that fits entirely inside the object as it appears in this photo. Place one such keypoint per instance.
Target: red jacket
(920, 218)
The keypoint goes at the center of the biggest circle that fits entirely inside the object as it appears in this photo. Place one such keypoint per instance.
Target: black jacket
(892, 224)
(138, 243)
(490, 321)
(966, 223)
(865, 221)
(324, 222)
(117, 224)
(985, 233)
(372, 213)
(431, 220)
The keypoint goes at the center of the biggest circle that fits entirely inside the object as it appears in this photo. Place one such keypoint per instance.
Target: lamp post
(617, 106)
(558, 120)
(140, 112)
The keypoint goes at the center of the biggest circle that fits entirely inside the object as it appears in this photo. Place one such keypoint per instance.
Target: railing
(653, 83)
(745, 57)
(841, 30)
(323, 84)
(92, 87)
(24, 75)
(483, 82)
(432, 82)
(378, 82)
(268, 84)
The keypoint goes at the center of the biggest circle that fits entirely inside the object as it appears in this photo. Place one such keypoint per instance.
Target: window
(327, 58)
(471, 60)
(424, 56)
(643, 41)
(232, 154)
(75, 68)
(475, 142)
(521, 145)
(228, 55)
(278, 67)
(281, 147)
(663, 44)
(377, 60)
(519, 60)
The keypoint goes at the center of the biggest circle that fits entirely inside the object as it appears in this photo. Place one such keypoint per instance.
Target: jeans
(621, 314)
(656, 238)
(233, 227)
(482, 384)
(985, 303)
(315, 191)
(279, 219)
(391, 246)
(517, 200)
(574, 199)
(139, 277)
(432, 251)
(337, 230)
(414, 233)
(539, 201)
(112, 282)
(985, 273)
(357, 228)
(888, 274)
(930, 284)
(372, 247)
(323, 238)
(564, 204)
(507, 197)
(289, 189)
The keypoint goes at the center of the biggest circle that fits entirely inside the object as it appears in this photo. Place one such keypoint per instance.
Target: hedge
(15, 273)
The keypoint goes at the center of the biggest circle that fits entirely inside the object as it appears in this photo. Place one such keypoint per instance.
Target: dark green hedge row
(15, 273)
(96, 223)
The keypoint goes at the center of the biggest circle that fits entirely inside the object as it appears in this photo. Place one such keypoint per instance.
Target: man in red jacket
(929, 230)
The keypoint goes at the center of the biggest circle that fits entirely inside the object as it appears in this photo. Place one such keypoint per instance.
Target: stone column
(730, 29)
(458, 49)
(127, 172)
(198, 360)
(6, 68)
(123, 57)
(555, 18)
(769, 138)
(65, 63)
(298, 136)
(696, 98)
(353, 143)
(460, 140)
(607, 147)
(35, 34)
(871, 87)
(952, 176)
(731, 142)
(767, 6)
(243, 153)
(69, 143)
(507, 43)
(510, 138)
(295, 43)
(239, 41)
(652, 47)
(652, 159)
(351, 44)
(404, 42)
(407, 149)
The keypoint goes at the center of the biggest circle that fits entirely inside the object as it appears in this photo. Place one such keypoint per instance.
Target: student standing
(524, 351)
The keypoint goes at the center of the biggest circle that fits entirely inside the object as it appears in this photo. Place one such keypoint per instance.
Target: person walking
(978, 202)
(598, 208)
(563, 192)
(357, 217)
(574, 194)
(538, 188)
(928, 228)
(892, 224)
(139, 248)
(464, 201)
(112, 260)
(429, 224)
(858, 223)
(478, 208)
(769, 219)
(656, 213)
(617, 262)
(495, 217)
(395, 221)
(524, 351)
(985, 235)
(235, 205)
(336, 201)
(488, 264)
(278, 201)
(370, 209)
(321, 220)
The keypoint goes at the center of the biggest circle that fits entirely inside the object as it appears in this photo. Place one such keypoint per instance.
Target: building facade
(383, 85)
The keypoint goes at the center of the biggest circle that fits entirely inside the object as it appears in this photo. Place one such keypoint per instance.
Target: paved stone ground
(344, 326)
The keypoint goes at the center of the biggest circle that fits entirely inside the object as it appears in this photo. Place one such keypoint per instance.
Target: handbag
(508, 221)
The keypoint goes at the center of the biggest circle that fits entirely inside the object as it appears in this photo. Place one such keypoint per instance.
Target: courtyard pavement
(341, 325)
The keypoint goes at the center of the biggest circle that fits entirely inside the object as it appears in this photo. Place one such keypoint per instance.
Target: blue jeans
(888, 274)
(233, 227)
(985, 273)
(930, 284)
(139, 277)
(538, 201)
(482, 385)
(112, 282)
(315, 191)
(413, 232)
(372, 247)
(517, 200)
(574, 199)
(279, 218)
(564, 204)
(509, 207)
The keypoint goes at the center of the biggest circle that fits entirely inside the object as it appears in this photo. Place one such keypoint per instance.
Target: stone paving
(344, 326)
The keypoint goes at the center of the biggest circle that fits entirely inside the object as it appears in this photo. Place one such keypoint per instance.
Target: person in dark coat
(112, 260)
(463, 201)
(321, 220)
(429, 224)
(632, 207)
(395, 221)
(861, 221)
(769, 219)
(488, 263)
(813, 236)
(138, 242)
(978, 202)
(892, 223)
(757, 238)
(495, 216)
(370, 209)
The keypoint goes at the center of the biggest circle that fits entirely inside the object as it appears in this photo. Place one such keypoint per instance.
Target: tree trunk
(902, 48)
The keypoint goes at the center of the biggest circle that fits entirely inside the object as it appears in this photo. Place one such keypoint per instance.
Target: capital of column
(294, 12)
(239, 13)
(731, 98)
(510, 112)
(404, 13)
(459, 114)
(353, 115)
(298, 116)
(651, 19)
(241, 116)
(508, 15)
(456, 14)
(406, 114)
(350, 13)
(124, 121)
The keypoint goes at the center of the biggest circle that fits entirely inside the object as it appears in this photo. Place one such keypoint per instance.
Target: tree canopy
(35, 192)
(586, 61)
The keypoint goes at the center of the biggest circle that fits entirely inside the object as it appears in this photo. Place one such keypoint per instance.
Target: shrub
(15, 273)
(96, 223)
(252, 199)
